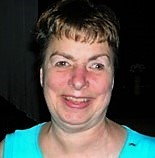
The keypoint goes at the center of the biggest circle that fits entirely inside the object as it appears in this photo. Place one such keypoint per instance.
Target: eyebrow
(99, 55)
(62, 54)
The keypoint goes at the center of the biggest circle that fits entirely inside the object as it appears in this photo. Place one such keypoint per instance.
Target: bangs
(87, 33)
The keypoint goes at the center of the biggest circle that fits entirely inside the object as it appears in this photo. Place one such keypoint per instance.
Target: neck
(80, 141)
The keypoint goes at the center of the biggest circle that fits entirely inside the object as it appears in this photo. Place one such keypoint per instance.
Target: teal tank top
(24, 144)
(138, 145)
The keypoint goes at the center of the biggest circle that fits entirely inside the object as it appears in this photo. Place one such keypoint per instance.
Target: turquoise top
(24, 144)
(138, 145)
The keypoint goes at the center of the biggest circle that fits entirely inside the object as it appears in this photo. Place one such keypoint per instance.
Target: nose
(78, 78)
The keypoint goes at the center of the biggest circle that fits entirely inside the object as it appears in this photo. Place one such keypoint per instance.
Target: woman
(79, 43)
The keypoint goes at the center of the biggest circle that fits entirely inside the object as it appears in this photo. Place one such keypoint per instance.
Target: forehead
(77, 48)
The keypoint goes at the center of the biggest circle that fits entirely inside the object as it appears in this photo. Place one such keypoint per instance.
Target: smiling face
(77, 80)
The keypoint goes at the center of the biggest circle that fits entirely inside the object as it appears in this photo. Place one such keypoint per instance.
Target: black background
(133, 95)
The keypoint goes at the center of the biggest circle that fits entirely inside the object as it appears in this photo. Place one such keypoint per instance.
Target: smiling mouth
(77, 102)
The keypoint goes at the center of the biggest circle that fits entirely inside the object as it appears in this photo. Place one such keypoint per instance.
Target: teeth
(77, 99)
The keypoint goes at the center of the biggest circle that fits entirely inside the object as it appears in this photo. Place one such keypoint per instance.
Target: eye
(97, 66)
(62, 64)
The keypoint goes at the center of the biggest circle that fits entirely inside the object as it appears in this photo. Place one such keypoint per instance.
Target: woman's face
(77, 80)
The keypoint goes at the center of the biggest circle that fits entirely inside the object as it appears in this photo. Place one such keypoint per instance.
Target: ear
(112, 83)
(41, 76)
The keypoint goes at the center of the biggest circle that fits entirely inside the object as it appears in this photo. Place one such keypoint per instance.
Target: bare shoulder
(1, 148)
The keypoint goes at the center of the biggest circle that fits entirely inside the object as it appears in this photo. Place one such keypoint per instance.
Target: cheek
(102, 84)
(55, 81)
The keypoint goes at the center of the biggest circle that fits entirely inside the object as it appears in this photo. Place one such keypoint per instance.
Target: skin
(78, 90)
(77, 80)
(1, 148)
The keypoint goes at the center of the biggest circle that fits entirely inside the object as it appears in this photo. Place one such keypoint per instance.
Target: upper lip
(77, 98)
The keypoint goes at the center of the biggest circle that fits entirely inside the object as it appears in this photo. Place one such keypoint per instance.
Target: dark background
(133, 100)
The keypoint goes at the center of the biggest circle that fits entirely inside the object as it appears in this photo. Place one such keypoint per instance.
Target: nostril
(78, 82)
(78, 78)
